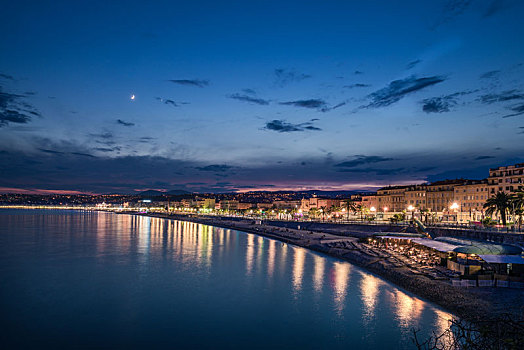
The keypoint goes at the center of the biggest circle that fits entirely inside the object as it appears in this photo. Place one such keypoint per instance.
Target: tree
(500, 203)
(323, 211)
(517, 205)
(333, 209)
(424, 212)
(363, 211)
(313, 213)
(349, 205)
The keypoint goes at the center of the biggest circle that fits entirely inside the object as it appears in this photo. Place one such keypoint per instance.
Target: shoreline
(470, 304)
(466, 304)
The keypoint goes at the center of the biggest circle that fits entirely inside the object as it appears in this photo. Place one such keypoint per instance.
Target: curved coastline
(461, 302)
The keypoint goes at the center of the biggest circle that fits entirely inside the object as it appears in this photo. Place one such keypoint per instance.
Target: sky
(217, 96)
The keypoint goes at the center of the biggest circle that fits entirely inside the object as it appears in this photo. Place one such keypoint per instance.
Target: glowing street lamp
(411, 208)
(373, 209)
(454, 207)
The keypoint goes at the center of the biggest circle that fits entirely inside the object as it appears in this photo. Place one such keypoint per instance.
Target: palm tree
(350, 206)
(363, 211)
(323, 211)
(517, 203)
(500, 203)
(313, 212)
(333, 209)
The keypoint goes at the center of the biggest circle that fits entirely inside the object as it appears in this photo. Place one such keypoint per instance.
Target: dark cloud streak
(249, 99)
(398, 89)
(285, 127)
(191, 82)
(124, 123)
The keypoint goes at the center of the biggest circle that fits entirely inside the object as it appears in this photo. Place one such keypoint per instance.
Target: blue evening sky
(247, 95)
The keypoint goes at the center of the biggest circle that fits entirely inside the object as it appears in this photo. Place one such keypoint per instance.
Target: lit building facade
(506, 179)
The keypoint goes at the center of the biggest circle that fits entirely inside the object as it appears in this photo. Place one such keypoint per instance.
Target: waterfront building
(319, 203)
(282, 204)
(206, 203)
(441, 194)
(188, 203)
(244, 206)
(228, 204)
(506, 178)
(264, 205)
(470, 198)
(415, 196)
(392, 197)
(370, 201)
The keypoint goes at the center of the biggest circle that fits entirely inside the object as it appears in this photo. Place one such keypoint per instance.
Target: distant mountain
(177, 192)
(151, 193)
(155, 193)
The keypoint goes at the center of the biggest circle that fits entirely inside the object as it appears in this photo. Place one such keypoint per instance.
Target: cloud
(438, 104)
(50, 151)
(105, 149)
(484, 157)
(249, 91)
(398, 89)
(283, 126)
(494, 7)
(191, 82)
(6, 77)
(105, 135)
(357, 85)
(215, 168)
(377, 171)
(490, 75)
(451, 10)
(249, 99)
(124, 123)
(357, 72)
(312, 103)
(518, 109)
(361, 160)
(14, 109)
(508, 95)
(284, 76)
(83, 154)
(412, 64)
(168, 101)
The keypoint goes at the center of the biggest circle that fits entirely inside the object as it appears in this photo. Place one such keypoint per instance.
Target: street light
(454, 207)
(411, 208)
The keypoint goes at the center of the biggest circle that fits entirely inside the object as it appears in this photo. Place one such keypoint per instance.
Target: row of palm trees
(504, 204)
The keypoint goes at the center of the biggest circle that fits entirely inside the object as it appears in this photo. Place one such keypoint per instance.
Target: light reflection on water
(116, 266)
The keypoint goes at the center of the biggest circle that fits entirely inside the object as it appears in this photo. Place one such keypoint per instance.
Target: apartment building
(370, 201)
(391, 198)
(506, 178)
(441, 194)
(318, 203)
(416, 196)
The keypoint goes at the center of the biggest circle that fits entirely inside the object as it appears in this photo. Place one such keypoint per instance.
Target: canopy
(503, 259)
(398, 234)
(468, 246)
(440, 246)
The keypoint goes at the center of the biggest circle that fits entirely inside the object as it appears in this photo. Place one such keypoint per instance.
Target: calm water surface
(92, 279)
